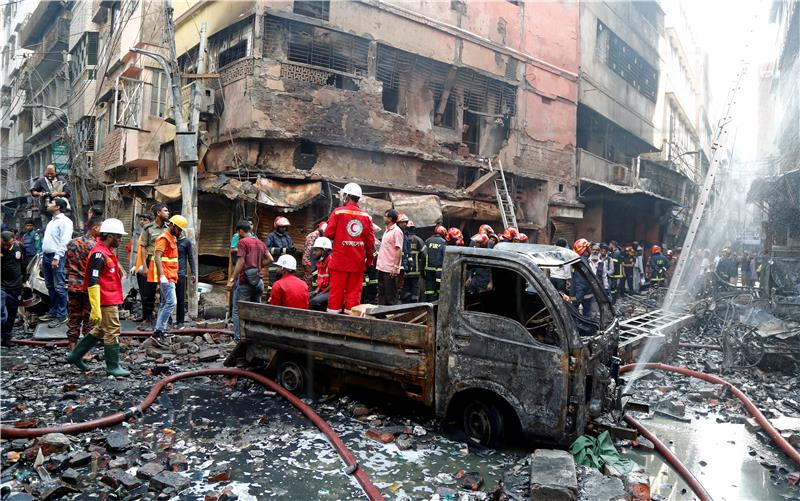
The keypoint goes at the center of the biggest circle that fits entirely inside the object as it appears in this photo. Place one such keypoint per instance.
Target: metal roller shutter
(215, 213)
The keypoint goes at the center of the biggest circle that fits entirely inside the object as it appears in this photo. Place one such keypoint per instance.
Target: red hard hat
(510, 233)
(402, 218)
(655, 249)
(580, 246)
(485, 229)
(523, 238)
(460, 242)
(480, 239)
(455, 234)
(281, 221)
(441, 230)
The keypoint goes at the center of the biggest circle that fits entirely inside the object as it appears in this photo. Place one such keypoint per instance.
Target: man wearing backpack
(247, 281)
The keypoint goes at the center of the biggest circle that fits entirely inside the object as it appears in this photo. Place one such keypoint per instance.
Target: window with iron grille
(85, 130)
(481, 94)
(316, 46)
(230, 44)
(313, 8)
(626, 62)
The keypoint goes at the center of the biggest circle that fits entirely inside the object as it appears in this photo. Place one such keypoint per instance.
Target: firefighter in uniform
(369, 288)
(104, 286)
(279, 243)
(411, 262)
(434, 257)
(455, 237)
(581, 290)
(659, 265)
(479, 278)
(353, 237)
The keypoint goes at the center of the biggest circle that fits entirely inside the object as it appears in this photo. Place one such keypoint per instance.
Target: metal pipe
(673, 461)
(353, 467)
(790, 451)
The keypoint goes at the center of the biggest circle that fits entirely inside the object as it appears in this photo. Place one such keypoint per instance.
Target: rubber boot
(86, 343)
(112, 361)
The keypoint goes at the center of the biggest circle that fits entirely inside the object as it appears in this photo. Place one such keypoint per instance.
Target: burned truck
(512, 356)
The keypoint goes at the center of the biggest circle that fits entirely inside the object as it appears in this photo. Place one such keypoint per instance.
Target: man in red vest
(353, 237)
(103, 283)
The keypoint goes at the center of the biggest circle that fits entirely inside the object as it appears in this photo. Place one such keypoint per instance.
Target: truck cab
(502, 349)
(514, 349)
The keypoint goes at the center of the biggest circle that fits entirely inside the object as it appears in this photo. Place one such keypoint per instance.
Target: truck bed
(398, 345)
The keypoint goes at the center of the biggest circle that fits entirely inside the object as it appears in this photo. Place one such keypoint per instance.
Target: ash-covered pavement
(222, 438)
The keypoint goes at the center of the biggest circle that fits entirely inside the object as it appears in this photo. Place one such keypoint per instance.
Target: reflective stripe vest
(110, 280)
(415, 245)
(434, 253)
(616, 261)
(169, 259)
(321, 274)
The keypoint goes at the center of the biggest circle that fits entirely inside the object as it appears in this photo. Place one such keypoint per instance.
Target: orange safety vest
(169, 259)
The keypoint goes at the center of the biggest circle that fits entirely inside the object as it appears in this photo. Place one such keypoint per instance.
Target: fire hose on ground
(190, 331)
(353, 467)
(763, 422)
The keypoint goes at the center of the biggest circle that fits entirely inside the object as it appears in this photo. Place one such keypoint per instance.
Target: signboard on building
(60, 153)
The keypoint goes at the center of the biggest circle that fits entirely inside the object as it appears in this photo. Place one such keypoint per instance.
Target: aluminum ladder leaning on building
(504, 201)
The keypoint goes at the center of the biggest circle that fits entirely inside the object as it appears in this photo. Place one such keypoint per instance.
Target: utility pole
(185, 139)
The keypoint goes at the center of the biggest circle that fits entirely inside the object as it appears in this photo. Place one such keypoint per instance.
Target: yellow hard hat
(180, 221)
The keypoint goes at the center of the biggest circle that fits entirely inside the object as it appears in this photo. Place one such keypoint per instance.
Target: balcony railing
(54, 41)
(596, 168)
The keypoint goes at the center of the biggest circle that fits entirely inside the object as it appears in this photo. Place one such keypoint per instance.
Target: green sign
(60, 152)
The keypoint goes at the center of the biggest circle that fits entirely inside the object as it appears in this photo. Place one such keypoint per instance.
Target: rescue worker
(434, 258)
(309, 258)
(659, 265)
(104, 287)
(455, 237)
(279, 243)
(510, 234)
(413, 264)
(353, 236)
(165, 266)
(581, 290)
(479, 278)
(617, 282)
(31, 242)
(628, 261)
(288, 290)
(150, 234)
(322, 250)
(78, 307)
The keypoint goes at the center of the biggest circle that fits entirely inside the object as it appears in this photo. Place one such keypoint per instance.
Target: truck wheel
(294, 378)
(483, 422)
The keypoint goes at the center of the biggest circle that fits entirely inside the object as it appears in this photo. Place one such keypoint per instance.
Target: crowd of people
(347, 260)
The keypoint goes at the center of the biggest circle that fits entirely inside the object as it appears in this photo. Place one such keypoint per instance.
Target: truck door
(506, 336)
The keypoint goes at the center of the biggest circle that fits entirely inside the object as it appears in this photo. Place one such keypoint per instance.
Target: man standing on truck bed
(389, 256)
(350, 228)
(279, 243)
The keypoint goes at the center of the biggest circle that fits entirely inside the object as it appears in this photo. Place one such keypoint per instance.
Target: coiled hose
(353, 468)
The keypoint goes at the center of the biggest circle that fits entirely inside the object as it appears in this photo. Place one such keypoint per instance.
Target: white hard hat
(112, 225)
(287, 262)
(323, 243)
(352, 189)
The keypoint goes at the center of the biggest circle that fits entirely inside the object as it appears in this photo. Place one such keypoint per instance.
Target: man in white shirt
(57, 235)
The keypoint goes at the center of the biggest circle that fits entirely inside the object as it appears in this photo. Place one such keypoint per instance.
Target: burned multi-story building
(779, 136)
(643, 132)
(405, 98)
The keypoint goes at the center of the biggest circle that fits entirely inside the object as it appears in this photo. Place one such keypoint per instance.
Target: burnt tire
(294, 377)
(483, 422)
